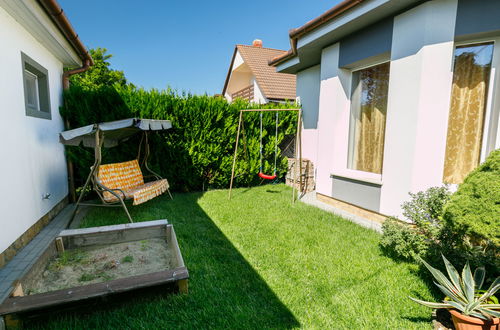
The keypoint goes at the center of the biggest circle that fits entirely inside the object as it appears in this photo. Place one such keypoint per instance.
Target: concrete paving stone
(12, 276)
(22, 264)
(7, 269)
(28, 255)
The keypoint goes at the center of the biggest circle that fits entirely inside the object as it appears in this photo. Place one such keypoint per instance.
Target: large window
(368, 116)
(471, 78)
(36, 88)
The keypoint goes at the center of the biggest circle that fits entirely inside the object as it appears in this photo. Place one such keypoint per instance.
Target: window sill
(38, 114)
(359, 176)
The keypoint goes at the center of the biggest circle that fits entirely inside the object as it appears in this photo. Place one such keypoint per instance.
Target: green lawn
(259, 262)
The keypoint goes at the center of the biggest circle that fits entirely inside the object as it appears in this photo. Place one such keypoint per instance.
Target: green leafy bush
(465, 226)
(197, 152)
(424, 210)
(100, 74)
(402, 240)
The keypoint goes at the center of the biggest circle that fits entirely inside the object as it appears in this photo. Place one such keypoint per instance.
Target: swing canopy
(117, 182)
(115, 132)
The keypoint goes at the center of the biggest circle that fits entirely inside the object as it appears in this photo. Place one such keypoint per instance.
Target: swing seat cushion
(127, 176)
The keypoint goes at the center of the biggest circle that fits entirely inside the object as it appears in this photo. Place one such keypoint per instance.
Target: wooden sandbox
(108, 250)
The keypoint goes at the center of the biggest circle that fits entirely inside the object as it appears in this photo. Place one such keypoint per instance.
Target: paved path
(310, 198)
(28, 255)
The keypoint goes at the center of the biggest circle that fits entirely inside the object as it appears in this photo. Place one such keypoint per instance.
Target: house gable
(249, 69)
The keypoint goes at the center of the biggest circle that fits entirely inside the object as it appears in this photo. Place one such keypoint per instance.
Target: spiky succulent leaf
(488, 313)
(491, 306)
(431, 304)
(452, 272)
(463, 292)
(491, 291)
(456, 305)
(495, 283)
(451, 294)
(479, 315)
(491, 312)
(471, 307)
(439, 276)
(468, 283)
(479, 274)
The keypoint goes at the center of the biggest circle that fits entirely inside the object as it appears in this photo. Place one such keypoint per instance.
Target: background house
(250, 77)
(398, 96)
(37, 43)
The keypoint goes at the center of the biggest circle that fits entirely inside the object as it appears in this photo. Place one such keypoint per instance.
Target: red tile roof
(274, 85)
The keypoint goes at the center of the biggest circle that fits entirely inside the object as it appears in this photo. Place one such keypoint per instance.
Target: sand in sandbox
(104, 263)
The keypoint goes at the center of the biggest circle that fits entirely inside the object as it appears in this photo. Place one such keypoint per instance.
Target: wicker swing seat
(114, 183)
(127, 181)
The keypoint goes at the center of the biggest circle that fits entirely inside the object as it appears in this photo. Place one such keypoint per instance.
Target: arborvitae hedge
(197, 152)
(474, 210)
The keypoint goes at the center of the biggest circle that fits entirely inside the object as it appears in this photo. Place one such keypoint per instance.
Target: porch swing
(117, 182)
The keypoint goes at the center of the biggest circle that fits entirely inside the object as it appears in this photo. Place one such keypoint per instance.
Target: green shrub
(424, 210)
(472, 217)
(402, 240)
(474, 210)
(197, 152)
(464, 226)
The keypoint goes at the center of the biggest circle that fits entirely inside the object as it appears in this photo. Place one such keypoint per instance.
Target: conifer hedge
(197, 152)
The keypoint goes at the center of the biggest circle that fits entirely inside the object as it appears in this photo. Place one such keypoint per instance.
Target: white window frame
(36, 106)
(491, 125)
(345, 171)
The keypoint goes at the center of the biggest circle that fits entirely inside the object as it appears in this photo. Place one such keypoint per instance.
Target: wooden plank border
(54, 298)
(78, 238)
(178, 275)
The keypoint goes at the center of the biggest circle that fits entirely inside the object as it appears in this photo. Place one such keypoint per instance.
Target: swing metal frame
(298, 147)
(137, 125)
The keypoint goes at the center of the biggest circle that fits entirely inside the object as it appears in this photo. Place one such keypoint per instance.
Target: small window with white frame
(36, 88)
(370, 88)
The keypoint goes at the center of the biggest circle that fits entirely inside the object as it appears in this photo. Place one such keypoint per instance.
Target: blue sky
(185, 44)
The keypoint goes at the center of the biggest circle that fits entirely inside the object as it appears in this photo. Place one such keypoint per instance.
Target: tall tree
(100, 74)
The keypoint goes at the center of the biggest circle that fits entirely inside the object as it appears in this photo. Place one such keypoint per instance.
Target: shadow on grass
(224, 290)
(419, 271)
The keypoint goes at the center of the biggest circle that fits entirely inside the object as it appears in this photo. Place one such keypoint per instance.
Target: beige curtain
(369, 130)
(466, 118)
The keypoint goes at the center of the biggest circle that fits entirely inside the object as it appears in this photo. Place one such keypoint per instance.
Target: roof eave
(327, 16)
(56, 14)
(230, 70)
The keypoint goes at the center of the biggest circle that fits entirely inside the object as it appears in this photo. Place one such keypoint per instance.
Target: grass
(259, 262)
(127, 259)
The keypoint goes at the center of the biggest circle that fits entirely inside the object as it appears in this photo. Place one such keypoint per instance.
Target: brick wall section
(29, 234)
(308, 183)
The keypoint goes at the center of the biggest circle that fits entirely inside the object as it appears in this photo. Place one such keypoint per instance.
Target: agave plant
(464, 293)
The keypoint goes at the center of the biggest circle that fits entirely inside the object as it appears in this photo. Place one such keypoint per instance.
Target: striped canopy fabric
(114, 131)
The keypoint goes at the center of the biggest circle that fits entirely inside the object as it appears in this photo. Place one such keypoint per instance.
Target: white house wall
(258, 96)
(308, 86)
(420, 81)
(333, 119)
(33, 161)
(419, 101)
